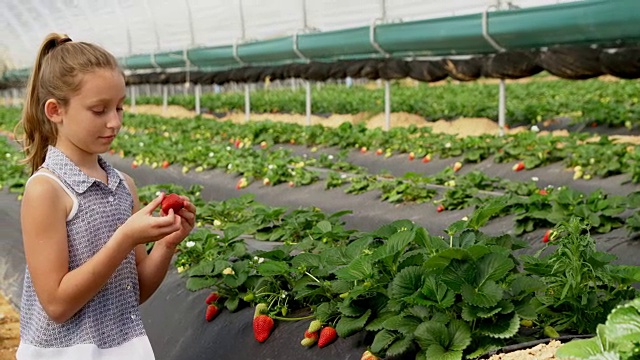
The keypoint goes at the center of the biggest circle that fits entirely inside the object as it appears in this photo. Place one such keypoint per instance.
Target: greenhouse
(382, 179)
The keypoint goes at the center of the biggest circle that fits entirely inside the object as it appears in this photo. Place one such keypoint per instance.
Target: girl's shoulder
(44, 187)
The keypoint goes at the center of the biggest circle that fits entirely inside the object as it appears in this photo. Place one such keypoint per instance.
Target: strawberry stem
(313, 277)
(292, 319)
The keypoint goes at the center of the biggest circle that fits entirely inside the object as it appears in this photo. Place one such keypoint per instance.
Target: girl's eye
(98, 112)
(119, 109)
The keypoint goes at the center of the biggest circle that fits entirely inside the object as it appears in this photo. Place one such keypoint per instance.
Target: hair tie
(62, 41)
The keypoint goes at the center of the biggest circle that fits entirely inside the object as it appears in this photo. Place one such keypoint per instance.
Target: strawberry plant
(582, 286)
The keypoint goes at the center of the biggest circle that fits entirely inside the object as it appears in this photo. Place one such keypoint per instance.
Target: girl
(83, 232)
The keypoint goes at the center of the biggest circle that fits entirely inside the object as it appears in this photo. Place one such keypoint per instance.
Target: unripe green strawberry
(314, 326)
(551, 332)
(308, 341)
(261, 308)
(262, 326)
(249, 297)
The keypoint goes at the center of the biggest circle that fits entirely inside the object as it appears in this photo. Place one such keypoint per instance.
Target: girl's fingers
(151, 206)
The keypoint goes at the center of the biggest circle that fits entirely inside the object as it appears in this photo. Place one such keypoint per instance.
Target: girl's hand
(142, 227)
(187, 216)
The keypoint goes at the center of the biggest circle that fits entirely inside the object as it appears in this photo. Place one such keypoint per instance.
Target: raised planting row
(613, 103)
(418, 295)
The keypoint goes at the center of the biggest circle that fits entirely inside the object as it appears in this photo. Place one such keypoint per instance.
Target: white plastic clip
(153, 61)
(296, 50)
(235, 53)
(372, 38)
(485, 29)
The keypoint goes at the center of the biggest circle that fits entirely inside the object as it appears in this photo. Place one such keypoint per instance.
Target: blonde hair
(56, 75)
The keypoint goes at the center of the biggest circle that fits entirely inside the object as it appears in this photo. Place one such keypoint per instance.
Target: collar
(66, 169)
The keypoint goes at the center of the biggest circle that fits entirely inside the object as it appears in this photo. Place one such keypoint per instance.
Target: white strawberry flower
(141, 144)
(447, 145)
(211, 154)
(535, 178)
(535, 128)
(190, 244)
(330, 157)
(228, 148)
(216, 223)
(271, 166)
(228, 271)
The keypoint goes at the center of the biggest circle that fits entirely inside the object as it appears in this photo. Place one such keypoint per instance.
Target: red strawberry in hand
(327, 335)
(262, 326)
(172, 201)
(212, 312)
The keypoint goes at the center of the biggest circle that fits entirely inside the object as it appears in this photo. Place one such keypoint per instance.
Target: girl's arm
(43, 218)
(152, 267)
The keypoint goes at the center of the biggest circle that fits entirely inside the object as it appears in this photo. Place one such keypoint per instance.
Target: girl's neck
(87, 162)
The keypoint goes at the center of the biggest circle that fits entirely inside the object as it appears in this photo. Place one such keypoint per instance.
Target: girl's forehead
(103, 84)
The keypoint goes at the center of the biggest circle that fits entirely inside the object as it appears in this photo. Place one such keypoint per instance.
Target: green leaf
(443, 258)
(400, 346)
(361, 268)
(232, 303)
(501, 326)
(581, 349)
(432, 333)
(382, 340)
(487, 295)
(348, 326)
(204, 268)
(402, 323)
(457, 274)
(407, 283)
(199, 283)
(440, 353)
(493, 266)
(324, 312)
(271, 268)
(438, 292)
(623, 325)
(395, 244)
(459, 335)
(324, 226)
(470, 312)
(306, 259)
(377, 324)
(523, 285)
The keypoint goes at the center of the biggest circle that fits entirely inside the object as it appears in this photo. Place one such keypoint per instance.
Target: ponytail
(39, 132)
(55, 75)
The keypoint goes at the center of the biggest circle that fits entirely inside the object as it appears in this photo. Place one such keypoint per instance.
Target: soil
(538, 352)
(9, 330)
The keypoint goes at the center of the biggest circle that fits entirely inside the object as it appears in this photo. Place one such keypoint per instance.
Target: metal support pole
(247, 102)
(387, 104)
(502, 106)
(308, 103)
(165, 98)
(198, 92)
(133, 98)
(6, 98)
(15, 98)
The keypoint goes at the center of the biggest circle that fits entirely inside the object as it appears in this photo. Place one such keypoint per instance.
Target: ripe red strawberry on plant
(212, 312)
(545, 238)
(440, 208)
(213, 297)
(262, 326)
(327, 335)
(519, 166)
(172, 201)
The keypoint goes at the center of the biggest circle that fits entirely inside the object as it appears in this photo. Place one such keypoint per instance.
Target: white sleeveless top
(109, 326)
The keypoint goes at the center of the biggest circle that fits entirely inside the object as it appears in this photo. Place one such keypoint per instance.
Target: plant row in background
(491, 197)
(191, 141)
(417, 294)
(613, 103)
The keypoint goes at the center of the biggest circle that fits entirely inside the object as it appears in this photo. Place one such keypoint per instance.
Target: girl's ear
(53, 110)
